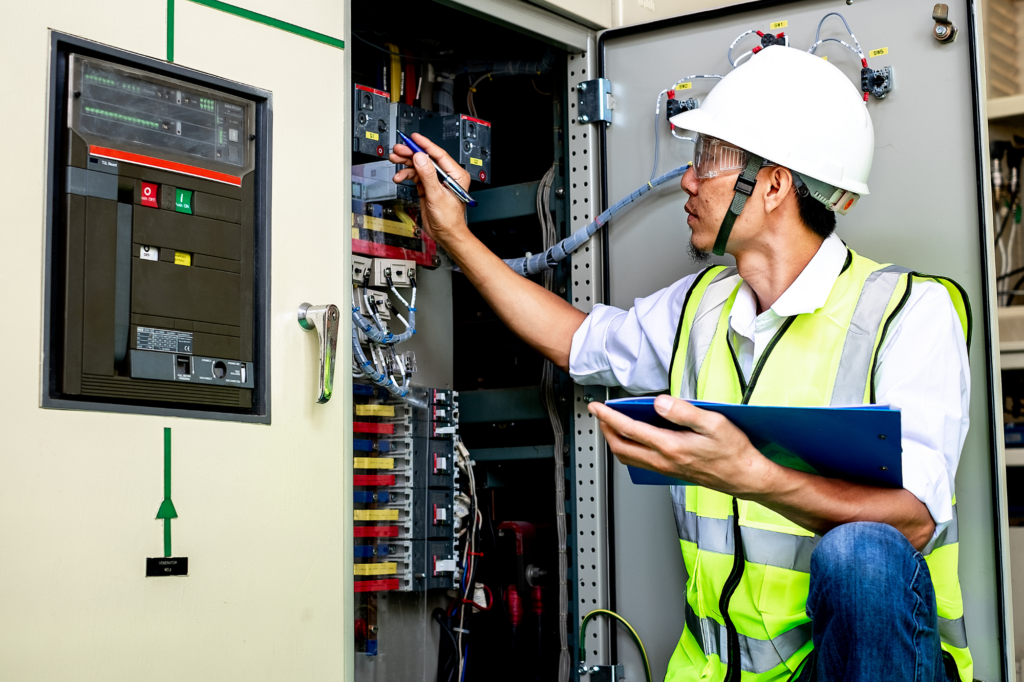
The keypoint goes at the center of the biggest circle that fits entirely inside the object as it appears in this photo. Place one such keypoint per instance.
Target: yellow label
(181, 258)
(401, 229)
(374, 463)
(386, 568)
(476, 162)
(376, 514)
(375, 410)
(778, 24)
(372, 136)
(879, 52)
(684, 86)
(825, 58)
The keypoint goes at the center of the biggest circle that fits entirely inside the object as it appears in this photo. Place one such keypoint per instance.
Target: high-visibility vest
(827, 357)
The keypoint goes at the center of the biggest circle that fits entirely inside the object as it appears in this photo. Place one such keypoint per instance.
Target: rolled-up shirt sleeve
(923, 370)
(630, 348)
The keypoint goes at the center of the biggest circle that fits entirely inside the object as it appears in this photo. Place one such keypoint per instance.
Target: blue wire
(465, 657)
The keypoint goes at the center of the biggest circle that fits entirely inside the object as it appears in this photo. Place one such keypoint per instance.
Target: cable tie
(462, 630)
(479, 554)
(472, 89)
(412, 310)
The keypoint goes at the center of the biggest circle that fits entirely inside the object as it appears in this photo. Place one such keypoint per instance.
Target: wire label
(778, 24)
(386, 568)
(879, 52)
(372, 136)
(375, 514)
(684, 86)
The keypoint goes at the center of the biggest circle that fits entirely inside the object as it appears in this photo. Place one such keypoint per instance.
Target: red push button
(149, 195)
(483, 176)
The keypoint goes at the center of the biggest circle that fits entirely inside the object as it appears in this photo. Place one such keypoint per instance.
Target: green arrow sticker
(167, 510)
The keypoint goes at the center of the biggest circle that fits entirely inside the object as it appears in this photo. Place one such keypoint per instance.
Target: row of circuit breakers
(405, 492)
(377, 119)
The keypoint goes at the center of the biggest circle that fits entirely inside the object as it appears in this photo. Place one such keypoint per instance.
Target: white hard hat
(796, 110)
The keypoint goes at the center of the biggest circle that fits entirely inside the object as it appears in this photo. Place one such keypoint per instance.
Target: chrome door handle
(324, 319)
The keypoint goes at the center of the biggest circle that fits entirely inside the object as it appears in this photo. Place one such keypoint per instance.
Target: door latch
(324, 319)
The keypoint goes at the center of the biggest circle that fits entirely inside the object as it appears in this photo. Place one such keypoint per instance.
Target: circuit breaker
(155, 295)
(370, 125)
(466, 139)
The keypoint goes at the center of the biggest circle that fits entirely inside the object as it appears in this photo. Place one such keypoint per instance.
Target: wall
(261, 507)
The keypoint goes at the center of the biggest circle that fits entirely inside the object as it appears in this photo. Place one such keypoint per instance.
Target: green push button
(183, 201)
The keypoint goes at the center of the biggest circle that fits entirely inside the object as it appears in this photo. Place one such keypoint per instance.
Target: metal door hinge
(595, 101)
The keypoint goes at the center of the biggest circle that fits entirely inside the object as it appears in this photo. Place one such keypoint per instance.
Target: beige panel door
(262, 509)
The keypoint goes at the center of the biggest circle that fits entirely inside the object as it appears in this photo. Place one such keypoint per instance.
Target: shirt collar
(807, 293)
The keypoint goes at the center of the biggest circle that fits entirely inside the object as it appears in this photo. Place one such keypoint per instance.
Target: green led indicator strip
(251, 16)
(120, 117)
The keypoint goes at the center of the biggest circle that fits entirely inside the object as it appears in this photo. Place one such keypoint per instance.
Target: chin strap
(745, 184)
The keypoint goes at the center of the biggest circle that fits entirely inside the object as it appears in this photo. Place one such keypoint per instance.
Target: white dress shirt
(922, 365)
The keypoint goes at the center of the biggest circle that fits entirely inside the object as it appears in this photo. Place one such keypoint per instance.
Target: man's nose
(689, 182)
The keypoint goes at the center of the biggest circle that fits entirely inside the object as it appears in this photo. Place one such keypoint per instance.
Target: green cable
(632, 633)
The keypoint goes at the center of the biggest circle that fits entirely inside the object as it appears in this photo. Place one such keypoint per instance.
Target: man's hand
(712, 453)
(717, 455)
(443, 212)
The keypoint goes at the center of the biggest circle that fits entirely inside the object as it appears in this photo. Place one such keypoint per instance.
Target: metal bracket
(324, 319)
(595, 101)
(944, 30)
(603, 673)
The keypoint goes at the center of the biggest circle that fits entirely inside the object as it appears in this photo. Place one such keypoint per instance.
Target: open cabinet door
(928, 210)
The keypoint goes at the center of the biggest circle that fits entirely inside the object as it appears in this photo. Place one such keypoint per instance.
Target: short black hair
(815, 216)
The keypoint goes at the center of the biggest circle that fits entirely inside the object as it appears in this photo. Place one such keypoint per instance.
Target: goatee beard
(698, 256)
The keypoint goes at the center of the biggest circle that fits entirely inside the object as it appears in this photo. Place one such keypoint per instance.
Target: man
(789, 575)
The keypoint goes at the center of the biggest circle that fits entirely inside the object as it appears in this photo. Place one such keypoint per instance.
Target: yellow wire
(636, 636)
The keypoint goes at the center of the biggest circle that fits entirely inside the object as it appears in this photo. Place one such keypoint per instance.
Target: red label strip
(367, 248)
(375, 532)
(371, 479)
(376, 92)
(366, 427)
(476, 120)
(164, 164)
(385, 585)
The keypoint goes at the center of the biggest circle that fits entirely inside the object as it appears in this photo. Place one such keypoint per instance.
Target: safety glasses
(712, 157)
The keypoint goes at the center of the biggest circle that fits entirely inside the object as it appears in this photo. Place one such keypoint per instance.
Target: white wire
(733, 45)
(549, 235)
(845, 44)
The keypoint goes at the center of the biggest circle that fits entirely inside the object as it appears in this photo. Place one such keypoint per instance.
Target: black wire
(399, 54)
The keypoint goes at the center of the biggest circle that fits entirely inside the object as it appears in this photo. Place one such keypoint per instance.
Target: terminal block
(876, 82)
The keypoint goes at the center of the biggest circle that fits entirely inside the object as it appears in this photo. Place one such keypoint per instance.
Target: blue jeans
(872, 609)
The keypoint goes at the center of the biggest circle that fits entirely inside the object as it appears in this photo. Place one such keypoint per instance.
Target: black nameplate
(161, 566)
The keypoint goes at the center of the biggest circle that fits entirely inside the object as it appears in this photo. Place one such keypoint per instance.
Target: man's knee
(862, 553)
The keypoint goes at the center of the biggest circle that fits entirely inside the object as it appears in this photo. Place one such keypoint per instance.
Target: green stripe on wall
(251, 16)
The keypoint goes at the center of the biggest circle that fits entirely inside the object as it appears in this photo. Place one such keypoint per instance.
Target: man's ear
(778, 187)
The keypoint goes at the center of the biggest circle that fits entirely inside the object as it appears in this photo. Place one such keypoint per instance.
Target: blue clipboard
(859, 444)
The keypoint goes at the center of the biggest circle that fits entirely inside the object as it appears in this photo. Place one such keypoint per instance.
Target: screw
(373, 629)
(849, 2)
(252, 137)
(560, 192)
(584, 118)
(881, 436)
(595, 669)
(78, 93)
(583, 86)
(582, 670)
(940, 31)
(561, 290)
(588, 399)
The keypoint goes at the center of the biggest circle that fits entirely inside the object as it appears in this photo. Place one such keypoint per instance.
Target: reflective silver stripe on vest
(702, 332)
(949, 535)
(764, 547)
(859, 346)
(756, 655)
(951, 632)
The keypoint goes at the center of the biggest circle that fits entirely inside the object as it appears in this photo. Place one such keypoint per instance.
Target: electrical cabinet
(608, 135)
(157, 290)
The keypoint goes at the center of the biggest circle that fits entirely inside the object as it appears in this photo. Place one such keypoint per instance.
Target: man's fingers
(428, 177)
(446, 162)
(406, 174)
(645, 434)
(686, 414)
